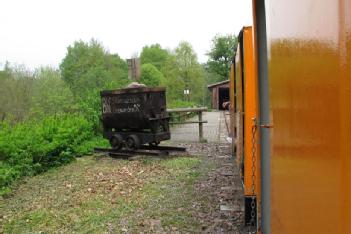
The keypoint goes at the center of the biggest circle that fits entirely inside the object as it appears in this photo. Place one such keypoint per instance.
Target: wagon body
(298, 149)
(244, 114)
(135, 111)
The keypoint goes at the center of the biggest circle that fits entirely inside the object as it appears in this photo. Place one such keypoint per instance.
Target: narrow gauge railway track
(144, 150)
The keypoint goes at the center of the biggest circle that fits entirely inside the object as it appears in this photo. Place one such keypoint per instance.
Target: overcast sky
(37, 32)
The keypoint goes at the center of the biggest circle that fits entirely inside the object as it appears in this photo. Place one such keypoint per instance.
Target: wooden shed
(219, 94)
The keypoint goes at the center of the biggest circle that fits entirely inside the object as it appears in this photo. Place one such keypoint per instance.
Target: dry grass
(99, 195)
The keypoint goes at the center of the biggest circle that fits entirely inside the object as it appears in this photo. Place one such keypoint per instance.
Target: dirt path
(221, 188)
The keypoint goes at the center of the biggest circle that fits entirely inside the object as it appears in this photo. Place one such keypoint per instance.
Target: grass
(101, 194)
(72, 198)
(169, 198)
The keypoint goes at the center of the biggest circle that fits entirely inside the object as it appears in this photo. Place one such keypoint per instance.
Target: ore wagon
(132, 117)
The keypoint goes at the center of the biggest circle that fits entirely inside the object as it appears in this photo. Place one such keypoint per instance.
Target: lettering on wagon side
(111, 105)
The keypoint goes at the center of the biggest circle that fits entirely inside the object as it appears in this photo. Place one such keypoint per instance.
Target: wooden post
(200, 127)
(182, 114)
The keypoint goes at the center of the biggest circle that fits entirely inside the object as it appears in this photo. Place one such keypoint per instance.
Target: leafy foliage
(180, 69)
(50, 94)
(180, 104)
(32, 147)
(16, 85)
(38, 127)
(150, 75)
(50, 116)
(155, 55)
(222, 51)
(33, 95)
(190, 71)
(173, 81)
(88, 66)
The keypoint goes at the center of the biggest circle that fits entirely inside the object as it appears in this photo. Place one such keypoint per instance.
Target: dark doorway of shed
(223, 96)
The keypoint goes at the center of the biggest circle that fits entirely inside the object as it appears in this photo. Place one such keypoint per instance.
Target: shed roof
(217, 84)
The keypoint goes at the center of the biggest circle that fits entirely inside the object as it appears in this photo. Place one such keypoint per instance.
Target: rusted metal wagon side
(135, 116)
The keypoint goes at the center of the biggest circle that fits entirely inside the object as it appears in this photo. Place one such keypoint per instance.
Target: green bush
(150, 75)
(180, 104)
(32, 147)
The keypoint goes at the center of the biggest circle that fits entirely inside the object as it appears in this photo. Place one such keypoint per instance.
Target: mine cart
(132, 117)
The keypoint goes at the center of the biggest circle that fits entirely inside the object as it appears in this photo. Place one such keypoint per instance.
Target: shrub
(32, 147)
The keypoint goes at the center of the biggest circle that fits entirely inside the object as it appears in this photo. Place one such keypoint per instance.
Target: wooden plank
(163, 147)
(196, 109)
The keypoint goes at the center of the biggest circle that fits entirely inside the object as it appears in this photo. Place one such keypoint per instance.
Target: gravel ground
(221, 188)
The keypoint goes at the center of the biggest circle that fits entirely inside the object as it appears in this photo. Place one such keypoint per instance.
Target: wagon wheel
(155, 143)
(132, 142)
(116, 142)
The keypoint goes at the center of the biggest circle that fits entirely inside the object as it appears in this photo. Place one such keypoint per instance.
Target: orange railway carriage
(245, 110)
(303, 51)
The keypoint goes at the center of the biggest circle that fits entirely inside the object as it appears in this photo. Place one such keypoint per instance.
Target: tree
(6, 84)
(173, 80)
(51, 95)
(190, 71)
(221, 54)
(16, 85)
(150, 75)
(155, 55)
(88, 67)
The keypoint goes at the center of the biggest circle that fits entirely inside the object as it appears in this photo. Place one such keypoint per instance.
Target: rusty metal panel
(132, 108)
(309, 61)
